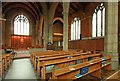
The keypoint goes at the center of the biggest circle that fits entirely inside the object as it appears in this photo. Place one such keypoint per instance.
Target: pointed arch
(21, 25)
(98, 21)
(58, 18)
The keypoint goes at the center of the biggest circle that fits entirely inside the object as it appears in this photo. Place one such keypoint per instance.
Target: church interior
(60, 40)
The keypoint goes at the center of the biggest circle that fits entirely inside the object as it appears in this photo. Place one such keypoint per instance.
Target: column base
(115, 65)
(115, 62)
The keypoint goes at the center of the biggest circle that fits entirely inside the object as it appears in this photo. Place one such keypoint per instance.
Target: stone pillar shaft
(51, 17)
(0, 24)
(51, 32)
(40, 30)
(65, 26)
(3, 30)
(111, 32)
(45, 32)
(36, 32)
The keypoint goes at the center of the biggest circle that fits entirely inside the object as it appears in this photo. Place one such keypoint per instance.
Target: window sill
(75, 40)
(89, 38)
(86, 38)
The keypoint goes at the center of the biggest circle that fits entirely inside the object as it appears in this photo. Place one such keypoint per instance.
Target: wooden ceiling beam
(73, 8)
(20, 6)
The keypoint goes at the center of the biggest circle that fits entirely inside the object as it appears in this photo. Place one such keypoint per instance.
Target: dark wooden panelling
(94, 44)
(21, 41)
(86, 29)
(58, 28)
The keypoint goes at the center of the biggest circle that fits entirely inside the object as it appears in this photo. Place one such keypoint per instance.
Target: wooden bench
(58, 56)
(0, 67)
(74, 72)
(52, 54)
(61, 61)
(55, 54)
(6, 60)
(32, 55)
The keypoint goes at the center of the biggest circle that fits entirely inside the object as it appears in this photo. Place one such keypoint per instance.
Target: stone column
(36, 32)
(45, 31)
(51, 32)
(51, 17)
(40, 30)
(0, 25)
(33, 25)
(111, 32)
(8, 30)
(3, 30)
(65, 26)
(1, 38)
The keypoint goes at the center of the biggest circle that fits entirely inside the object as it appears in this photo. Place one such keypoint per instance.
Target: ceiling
(74, 7)
(32, 7)
(35, 8)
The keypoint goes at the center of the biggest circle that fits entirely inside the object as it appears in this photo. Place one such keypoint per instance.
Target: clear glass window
(21, 25)
(75, 29)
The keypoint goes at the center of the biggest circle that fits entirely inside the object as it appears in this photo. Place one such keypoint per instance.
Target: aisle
(21, 69)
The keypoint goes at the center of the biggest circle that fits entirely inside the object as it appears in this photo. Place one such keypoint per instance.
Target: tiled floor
(21, 69)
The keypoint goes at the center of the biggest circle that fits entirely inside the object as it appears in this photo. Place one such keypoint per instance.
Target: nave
(74, 40)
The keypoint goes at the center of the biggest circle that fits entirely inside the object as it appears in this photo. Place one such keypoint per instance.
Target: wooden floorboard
(116, 76)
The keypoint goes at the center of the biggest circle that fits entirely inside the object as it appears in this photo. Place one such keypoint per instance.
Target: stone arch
(58, 18)
(45, 14)
(10, 24)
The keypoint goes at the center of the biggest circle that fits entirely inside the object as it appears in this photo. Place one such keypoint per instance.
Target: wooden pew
(106, 63)
(0, 67)
(55, 54)
(60, 61)
(6, 60)
(48, 53)
(58, 56)
(32, 55)
(52, 54)
(74, 72)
